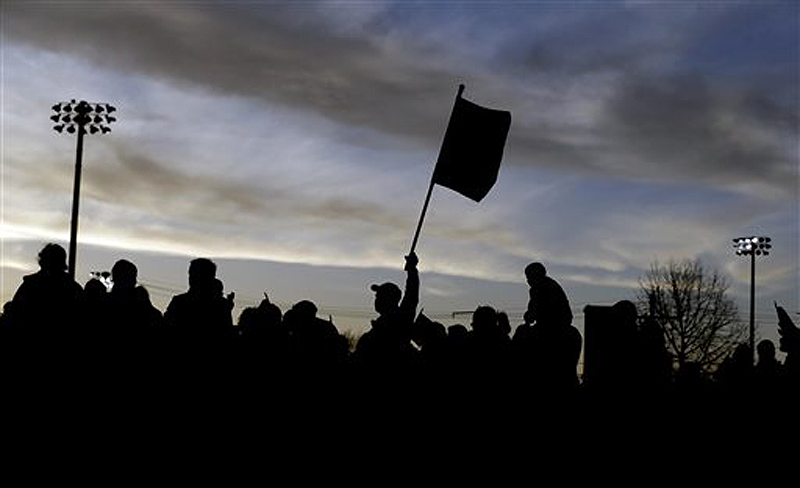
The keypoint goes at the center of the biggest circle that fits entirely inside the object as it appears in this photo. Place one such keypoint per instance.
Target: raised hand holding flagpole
(471, 152)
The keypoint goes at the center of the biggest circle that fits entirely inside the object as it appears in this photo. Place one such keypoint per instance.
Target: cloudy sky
(293, 142)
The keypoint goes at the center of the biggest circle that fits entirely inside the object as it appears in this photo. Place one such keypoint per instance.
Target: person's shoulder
(523, 329)
(141, 292)
(32, 279)
(26, 289)
(50, 281)
(179, 300)
(62, 280)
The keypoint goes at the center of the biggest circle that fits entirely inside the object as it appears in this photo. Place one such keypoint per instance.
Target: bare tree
(699, 322)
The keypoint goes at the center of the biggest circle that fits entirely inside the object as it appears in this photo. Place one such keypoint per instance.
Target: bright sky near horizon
(293, 143)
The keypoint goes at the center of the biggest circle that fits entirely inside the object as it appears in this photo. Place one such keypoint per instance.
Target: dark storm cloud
(677, 105)
(283, 54)
(689, 127)
(684, 103)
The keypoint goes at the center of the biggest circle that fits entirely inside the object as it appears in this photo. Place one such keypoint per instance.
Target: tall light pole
(752, 246)
(78, 117)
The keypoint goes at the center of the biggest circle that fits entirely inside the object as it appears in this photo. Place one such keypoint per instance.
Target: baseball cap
(388, 288)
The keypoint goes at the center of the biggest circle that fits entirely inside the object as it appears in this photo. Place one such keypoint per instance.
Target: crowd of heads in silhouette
(53, 316)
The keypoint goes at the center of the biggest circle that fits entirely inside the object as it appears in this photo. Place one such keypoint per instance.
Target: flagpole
(430, 190)
(422, 217)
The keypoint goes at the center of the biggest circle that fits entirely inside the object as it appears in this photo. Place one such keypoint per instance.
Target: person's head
(249, 318)
(457, 332)
(766, 351)
(387, 297)
(124, 274)
(504, 323)
(304, 310)
(272, 313)
(534, 272)
(202, 272)
(484, 318)
(217, 287)
(94, 288)
(435, 332)
(53, 258)
(626, 312)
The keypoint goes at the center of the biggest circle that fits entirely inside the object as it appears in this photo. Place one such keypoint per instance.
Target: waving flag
(472, 149)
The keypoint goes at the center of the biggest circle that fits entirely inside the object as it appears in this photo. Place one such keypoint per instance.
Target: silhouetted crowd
(62, 330)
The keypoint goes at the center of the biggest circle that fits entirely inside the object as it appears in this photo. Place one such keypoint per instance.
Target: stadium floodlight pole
(80, 117)
(752, 246)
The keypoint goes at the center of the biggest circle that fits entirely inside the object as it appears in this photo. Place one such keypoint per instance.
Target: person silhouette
(263, 333)
(547, 346)
(768, 368)
(489, 342)
(47, 304)
(735, 374)
(488, 353)
(95, 303)
(504, 324)
(262, 345)
(457, 348)
(547, 300)
(94, 291)
(314, 341)
(388, 343)
(653, 363)
(134, 319)
(219, 291)
(202, 314)
(431, 337)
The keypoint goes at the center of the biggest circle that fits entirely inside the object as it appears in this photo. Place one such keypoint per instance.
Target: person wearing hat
(388, 342)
